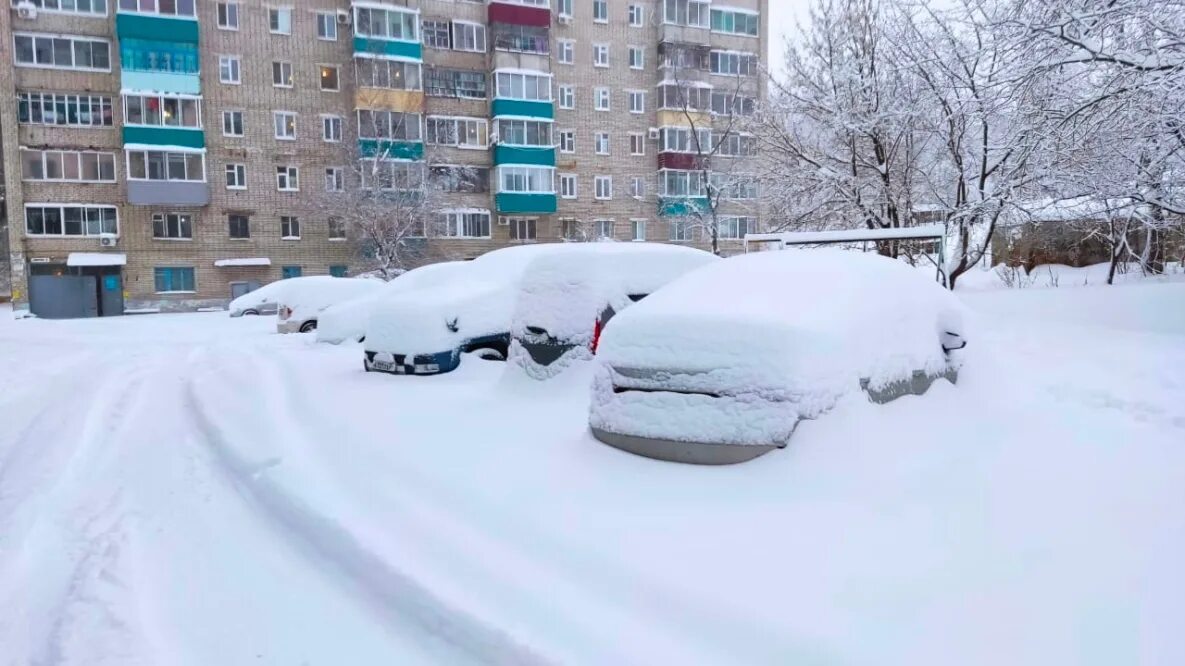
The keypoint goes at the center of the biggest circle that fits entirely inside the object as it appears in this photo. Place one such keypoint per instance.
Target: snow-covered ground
(192, 489)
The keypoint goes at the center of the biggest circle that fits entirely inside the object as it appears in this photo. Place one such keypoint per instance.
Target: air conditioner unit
(654, 133)
(108, 240)
(26, 10)
(563, 19)
(343, 17)
(503, 221)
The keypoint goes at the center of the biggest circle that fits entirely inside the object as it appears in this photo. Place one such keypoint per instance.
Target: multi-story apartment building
(171, 154)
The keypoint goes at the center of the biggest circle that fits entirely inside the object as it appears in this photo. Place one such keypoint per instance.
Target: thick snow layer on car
(347, 321)
(308, 296)
(787, 331)
(268, 294)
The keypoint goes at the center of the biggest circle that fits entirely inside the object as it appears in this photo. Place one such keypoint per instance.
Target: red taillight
(596, 336)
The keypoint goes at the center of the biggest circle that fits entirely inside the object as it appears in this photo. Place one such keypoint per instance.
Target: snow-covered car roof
(308, 295)
(809, 321)
(564, 292)
(265, 295)
(347, 320)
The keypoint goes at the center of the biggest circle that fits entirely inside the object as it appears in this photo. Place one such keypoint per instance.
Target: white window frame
(321, 77)
(226, 63)
(480, 42)
(569, 186)
(62, 216)
(291, 175)
(454, 222)
(329, 19)
(603, 188)
(47, 103)
(276, 126)
(601, 7)
(567, 97)
(292, 219)
(637, 225)
(327, 127)
(40, 5)
(638, 187)
(164, 218)
(154, 10)
(518, 224)
(291, 78)
(527, 172)
(565, 52)
(65, 155)
(564, 8)
(637, 57)
(73, 38)
(219, 13)
(637, 16)
(636, 96)
(128, 152)
(228, 114)
(600, 53)
(461, 127)
(605, 228)
(602, 143)
(280, 11)
(335, 176)
(601, 94)
(160, 98)
(240, 175)
(566, 136)
(504, 78)
(637, 143)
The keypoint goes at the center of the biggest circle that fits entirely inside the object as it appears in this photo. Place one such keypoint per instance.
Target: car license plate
(386, 366)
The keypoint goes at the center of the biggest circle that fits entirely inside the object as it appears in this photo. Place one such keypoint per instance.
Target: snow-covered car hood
(348, 320)
(431, 321)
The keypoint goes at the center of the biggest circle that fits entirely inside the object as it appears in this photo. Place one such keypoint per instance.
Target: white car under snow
(347, 321)
(720, 366)
(301, 300)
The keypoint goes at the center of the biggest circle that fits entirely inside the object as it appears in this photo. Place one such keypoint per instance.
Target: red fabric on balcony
(501, 12)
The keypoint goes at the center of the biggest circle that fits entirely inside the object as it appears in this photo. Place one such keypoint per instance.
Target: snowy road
(190, 489)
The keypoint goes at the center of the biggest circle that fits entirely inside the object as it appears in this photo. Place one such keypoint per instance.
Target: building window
(335, 179)
(725, 103)
(677, 183)
(172, 226)
(288, 272)
(389, 74)
(637, 57)
(163, 165)
(285, 125)
(328, 77)
(604, 229)
(525, 179)
(601, 143)
(684, 140)
(166, 7)
(522, 39)
(637, 16)
(64, 109)
(331, 128)
(76, 166)
(236, 176)
(637, 144)
(735, 22)
(522, 228)
(85, 7)
(600, 55)
(566, 51)
(732, 63)
(228, 15)
(289, 227)
(393, 175)
(738, 145)
(637, 101)
(568, 141)
(601, 11)
(603, 187)
(564, 8)
(338, 270)
(571, 229)
(694, 13)
(465, 223)
(437, 34)
(62, 52)
(524, 132)
(279, 20)
(456, 178)
(67, 220)
(336, 230)
(238, 226)
(327, 26)
(680, 98)
(734, 227)
(469, 133)
(228, 69)
(469, 37)
(282, 74)
(602, 99)
(157, 110)
(174, 279)
(637, 187)
(469, 84)
(638, 230)
(390, 23)
(232, 123)
(680, 229)
(389, 125)
(517, 85)
(568, 185)
(567, 97)
(288, 179)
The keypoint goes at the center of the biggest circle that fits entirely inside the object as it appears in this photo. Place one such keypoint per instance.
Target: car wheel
(250, 312)
(308, 326)
(489, 354)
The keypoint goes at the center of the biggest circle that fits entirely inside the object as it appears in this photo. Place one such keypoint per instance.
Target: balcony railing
(539, 44)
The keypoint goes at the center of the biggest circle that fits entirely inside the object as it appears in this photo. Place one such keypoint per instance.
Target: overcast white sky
(783, 15)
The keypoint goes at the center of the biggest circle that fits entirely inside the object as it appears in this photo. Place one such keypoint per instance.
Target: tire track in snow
(399, 597)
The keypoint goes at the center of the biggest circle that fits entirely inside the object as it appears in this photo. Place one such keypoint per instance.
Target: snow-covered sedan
(302, 299)
(720, 365)
(261, 301)
(567, 297)
(347, 321)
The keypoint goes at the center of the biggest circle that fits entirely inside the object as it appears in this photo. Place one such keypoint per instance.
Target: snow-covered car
(720, 365)
(566, 298)
(262, 301)
(426, 331)
(302, 299)
(347, 321)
